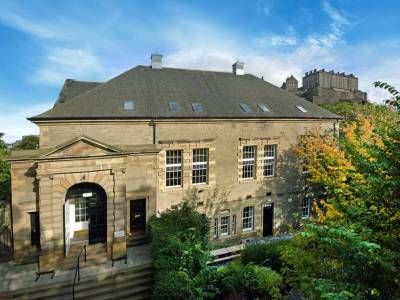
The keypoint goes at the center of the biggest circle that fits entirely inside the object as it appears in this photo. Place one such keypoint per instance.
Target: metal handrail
(77, 270)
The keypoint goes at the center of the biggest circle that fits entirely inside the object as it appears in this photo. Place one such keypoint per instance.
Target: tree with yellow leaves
(349, 248)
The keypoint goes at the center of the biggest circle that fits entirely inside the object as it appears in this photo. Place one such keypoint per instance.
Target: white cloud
(27, 26)
(271, 39)
(62, 63)
(16, 125)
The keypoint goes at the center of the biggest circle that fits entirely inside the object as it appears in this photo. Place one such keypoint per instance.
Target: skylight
(129, 105)
(301, 108)
(263, 107)
(197, 107)
(246, 107)
(173, 106)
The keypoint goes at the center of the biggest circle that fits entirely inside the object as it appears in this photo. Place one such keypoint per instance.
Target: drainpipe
(154, 125)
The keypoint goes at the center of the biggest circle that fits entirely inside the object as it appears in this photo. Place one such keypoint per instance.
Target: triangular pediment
(82, 146)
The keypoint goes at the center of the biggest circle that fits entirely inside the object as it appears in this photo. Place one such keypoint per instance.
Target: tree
(350, 248)
(395, 100)
(28, 142)
(5, 177)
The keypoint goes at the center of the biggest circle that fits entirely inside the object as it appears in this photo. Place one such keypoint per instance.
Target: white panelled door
(67, 227)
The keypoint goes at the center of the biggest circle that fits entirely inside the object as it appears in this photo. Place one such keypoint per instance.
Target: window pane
(246, 107)
(225, 225)
(173, 106)
(81, 210)
(306, 207)
(269, 160)
(197, 107)
(249, 166)
(200, 166)
(174, 168)
(301, 108)
(263, 107)
(216, 228)
(248, 218)
(129, 105)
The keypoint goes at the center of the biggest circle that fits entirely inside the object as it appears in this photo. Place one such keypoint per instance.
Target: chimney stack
(156, 61)
(238, 68)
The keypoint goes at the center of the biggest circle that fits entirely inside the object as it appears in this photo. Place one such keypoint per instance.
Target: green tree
(28, 142)
(349, 249)
(5, 177)
(395, 94)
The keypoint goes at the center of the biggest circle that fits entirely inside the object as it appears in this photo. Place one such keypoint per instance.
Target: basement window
(263, 107)
(246, 107)
(301, 108)
(173, 106)
(129, 105)
(197, 107)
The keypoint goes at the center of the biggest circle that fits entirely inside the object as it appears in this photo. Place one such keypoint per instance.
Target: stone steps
(96, 254)
(130, 283)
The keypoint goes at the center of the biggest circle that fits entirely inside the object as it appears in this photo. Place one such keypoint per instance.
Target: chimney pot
(156, 61)
(238, 68)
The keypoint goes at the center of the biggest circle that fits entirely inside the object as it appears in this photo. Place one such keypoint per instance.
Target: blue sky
(44, 42)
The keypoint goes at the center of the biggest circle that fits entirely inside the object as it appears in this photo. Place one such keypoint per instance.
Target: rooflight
(173, 106)
(263, 107)
(129, 105)
(246, 107)
(197, 107)
(301, 108)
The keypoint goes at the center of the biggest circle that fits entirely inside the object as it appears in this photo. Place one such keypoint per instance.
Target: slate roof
(72, 88)
(220, 94)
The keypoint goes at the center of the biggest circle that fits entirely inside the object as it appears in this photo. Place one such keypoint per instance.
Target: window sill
(247, 180)
(248, 230)
(200, 184)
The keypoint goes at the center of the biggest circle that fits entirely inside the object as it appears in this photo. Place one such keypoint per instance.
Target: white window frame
(248, 214)
(306, 207)
(200, 165)
(270, 160)
(80, 210)
(249, 161)
(225, 220)
(175, 167)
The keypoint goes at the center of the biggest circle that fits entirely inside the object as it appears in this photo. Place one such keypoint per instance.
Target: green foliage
(251, 281)
(28, 142)
(268, 255)
(181, 250)
(5, 176)
(352, 250)
(208, 283)
(330, 259)
(395, 101)
(173, 285)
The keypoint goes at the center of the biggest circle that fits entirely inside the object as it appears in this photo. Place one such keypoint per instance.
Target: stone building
(113, 154)
(320, 86)
(291, 84)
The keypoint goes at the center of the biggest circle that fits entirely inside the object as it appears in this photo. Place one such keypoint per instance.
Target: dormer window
(301, 108)
(263, 107)
(246, 107)
(129, 105)
(173, 106)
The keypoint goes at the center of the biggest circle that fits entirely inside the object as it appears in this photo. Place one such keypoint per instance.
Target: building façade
(113, 154)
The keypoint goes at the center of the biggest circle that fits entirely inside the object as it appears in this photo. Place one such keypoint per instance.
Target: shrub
(269, 255)
(181, 250)
(173, 285)
(208, 283)
(250, 281)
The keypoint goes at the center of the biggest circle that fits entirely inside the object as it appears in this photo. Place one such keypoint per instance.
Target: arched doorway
(85, 214)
